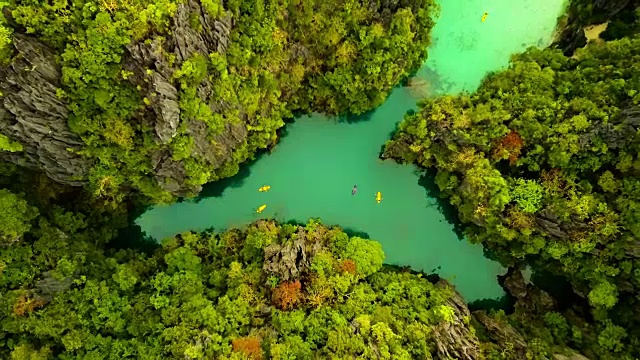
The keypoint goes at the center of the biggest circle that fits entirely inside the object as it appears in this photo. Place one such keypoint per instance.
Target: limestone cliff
(572, 36)
(153, 63)
(32, 114)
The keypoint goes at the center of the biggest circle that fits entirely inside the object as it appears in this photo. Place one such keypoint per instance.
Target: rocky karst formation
(572, 36)
(529, 300)
(153, 63)
(454, 340)
(32, 115)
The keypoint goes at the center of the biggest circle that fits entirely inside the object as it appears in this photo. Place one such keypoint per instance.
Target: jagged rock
(219, 148)
(548, 223)
(171, 175)
(573, 37)
(152, 73)
(289, 259)
(454, 340)
(609, 8)
(572, 357)
(49, 286)
(502, 333)
(152, 64)
(214, 35)
(617, 133)
(34, 116)
(515, 284)
(633, 249)
(529, 297)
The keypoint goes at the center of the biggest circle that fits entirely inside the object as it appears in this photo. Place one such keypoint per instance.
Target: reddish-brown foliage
(249, 346)
(553, 179)
(348, 266)
(27, 304)
(512, 143)
(287, 294)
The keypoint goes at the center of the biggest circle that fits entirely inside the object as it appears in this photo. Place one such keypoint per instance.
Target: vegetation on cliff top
(542, 164)
(167, 95)
(266, 291)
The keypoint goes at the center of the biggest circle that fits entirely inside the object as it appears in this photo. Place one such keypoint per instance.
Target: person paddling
(354, 190)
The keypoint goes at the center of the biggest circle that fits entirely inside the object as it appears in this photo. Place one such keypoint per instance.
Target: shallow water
(314, 167)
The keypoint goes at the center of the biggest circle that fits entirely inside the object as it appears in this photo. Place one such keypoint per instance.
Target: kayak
(484, 17)
(378, 197)
(264, 188)
(261, 209)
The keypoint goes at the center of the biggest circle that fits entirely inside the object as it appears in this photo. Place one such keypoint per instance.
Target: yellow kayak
(261, 209)
(378, 197)
(484, 17)
(264, 188)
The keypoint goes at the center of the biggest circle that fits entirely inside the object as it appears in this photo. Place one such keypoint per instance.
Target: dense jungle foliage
(157, 97)
(266, 291)
(542, 164)
(166, 95)
(282, 291)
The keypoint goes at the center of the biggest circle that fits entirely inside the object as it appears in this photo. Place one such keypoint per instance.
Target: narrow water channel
(314, 167)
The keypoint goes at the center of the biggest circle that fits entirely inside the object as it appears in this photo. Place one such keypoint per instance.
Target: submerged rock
(33, 115)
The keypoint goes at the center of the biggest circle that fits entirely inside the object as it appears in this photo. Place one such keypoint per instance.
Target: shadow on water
(392, 133)
(357, 233)
(217, 188)
(506, 303)
(132, 237)
(354, 119)
(427, 181)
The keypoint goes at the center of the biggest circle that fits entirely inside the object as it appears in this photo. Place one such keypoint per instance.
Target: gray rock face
(153, 63)
(617, 133)
(455, 340)
(170, 174)
(32, 114)
(502, 333)
(48, 286)
(529, 298)
(163, 114)
(292, 258)
(550, 224)
(572, 357)
(213, 37)
(573, 37)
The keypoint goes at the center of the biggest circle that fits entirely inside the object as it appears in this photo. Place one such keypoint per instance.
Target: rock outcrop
(32, 114)
(454, 340)
(290, 259)
(529, 297)
(502, 334)
(153, 63)
(573, 37)
(617, 133)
